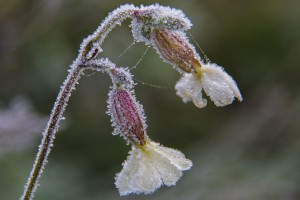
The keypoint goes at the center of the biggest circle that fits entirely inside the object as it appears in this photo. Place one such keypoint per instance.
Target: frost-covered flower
(165, 29)
(149, 164)
(216, 83)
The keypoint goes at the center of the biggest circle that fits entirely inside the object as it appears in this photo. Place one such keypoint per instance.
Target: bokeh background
(247, 150)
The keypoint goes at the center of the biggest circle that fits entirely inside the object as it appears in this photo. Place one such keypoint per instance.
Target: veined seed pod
(126, 116)
(174, 48)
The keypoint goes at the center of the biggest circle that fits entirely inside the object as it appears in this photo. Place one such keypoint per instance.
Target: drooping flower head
(149, 164)
(165, 29)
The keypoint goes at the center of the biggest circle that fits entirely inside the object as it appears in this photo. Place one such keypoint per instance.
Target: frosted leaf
(218, 85)
(149, 167)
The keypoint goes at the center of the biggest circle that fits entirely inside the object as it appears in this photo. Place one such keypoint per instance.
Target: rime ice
(216, 83)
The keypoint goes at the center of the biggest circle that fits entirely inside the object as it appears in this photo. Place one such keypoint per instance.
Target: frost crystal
(175, 49)
(149, 167)
(90, 46)
(216, 83)
(147, 18)
(126, 115)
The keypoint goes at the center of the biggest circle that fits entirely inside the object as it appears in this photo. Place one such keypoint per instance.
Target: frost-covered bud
(148, 168)
(216, 83)
(126, 116)
(147, 18)
(174, 48)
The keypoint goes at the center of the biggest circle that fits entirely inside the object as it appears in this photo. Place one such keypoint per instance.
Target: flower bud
(174, 48)
(126, 116)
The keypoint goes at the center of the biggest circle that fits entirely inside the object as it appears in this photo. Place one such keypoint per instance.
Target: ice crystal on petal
(149, 167)
(219, 85)
(216, 83)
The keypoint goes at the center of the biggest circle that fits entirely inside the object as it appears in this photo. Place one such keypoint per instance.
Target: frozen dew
(149, 167)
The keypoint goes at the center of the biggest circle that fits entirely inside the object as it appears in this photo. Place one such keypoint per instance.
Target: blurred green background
(247, 150)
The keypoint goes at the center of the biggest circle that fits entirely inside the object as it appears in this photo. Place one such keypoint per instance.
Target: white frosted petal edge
(219, 85)
(148, 168)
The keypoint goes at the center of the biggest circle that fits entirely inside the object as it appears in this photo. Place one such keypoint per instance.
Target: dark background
(247, 150)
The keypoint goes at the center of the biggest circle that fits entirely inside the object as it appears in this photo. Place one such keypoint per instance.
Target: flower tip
(199, 103)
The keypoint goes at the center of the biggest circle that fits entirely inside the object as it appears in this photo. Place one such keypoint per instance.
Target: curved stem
(51, 129)
(90, 48)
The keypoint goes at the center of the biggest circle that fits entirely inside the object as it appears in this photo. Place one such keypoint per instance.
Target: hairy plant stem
(90, 48)
(51, 129)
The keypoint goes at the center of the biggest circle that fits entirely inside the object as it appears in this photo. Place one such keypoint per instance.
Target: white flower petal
(145, 170)
(190, 89)
(176, 157)
(138, 175)
(169, 173)
(218, 85)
